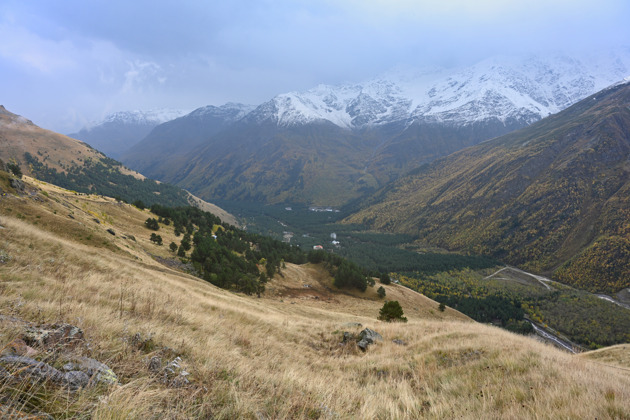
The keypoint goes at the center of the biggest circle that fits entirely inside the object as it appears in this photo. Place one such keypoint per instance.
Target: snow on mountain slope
(229, 112)
(523, 89)
(137, 117)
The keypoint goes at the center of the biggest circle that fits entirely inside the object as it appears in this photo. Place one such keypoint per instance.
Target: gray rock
(32, 370)
(367, 337)
(347, 337)
(17, 185)
(174, 376)
(96, 371)
(111, 231)
(399, 342)
(76, 379)
(155, 364)
(52, 335)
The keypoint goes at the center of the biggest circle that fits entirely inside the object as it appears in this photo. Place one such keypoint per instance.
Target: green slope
(555, 194)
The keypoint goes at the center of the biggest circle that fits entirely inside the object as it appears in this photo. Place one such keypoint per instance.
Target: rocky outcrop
(367, 337)
(98, 372)
(59, 343)
(50, 335)
(25, 368)
(17, 185)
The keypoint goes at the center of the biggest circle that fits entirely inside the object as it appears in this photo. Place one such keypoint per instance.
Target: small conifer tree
(392, 311)
(385, 278)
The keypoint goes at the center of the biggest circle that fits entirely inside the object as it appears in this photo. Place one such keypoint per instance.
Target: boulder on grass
(367, 337)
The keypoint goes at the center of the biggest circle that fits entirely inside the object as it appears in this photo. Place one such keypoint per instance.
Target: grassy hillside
(64, 161)
(553, 197)
(278, 356)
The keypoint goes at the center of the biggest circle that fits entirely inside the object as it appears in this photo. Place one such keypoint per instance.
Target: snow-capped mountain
(156, 152)
(523, 89)
(333, 144)
(154, 116)
(230, 112)
(120, 130)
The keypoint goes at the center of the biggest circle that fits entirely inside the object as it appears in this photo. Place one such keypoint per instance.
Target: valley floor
(278, 356)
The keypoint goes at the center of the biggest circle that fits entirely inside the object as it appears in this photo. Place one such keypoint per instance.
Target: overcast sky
(64, 63)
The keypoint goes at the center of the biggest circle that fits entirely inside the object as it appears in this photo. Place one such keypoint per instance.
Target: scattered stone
(144, 344)
(97, 221)
(71, 216)
(53, 335)
(111, 231)
(155, 364)
(347, 337)
(399, 342)
(174, 376)
(367, 337)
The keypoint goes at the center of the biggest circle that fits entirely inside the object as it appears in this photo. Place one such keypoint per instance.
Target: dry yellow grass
(273, 357)
(618, 355)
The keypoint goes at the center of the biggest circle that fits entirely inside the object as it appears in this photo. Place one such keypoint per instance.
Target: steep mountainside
(365, 135)
(553, 197)
(272, 164)
(121, 130)
(70, 163)
(167, 144)
(178, 347)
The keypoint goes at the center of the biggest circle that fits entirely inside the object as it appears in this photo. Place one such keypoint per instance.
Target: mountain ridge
(71, 163)
(551, 197)
(120, 130)
(366, 135)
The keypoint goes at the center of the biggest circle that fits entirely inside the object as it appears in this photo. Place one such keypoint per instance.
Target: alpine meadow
(315, 210)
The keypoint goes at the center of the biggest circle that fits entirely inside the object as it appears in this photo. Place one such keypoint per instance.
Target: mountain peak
(504, 88)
